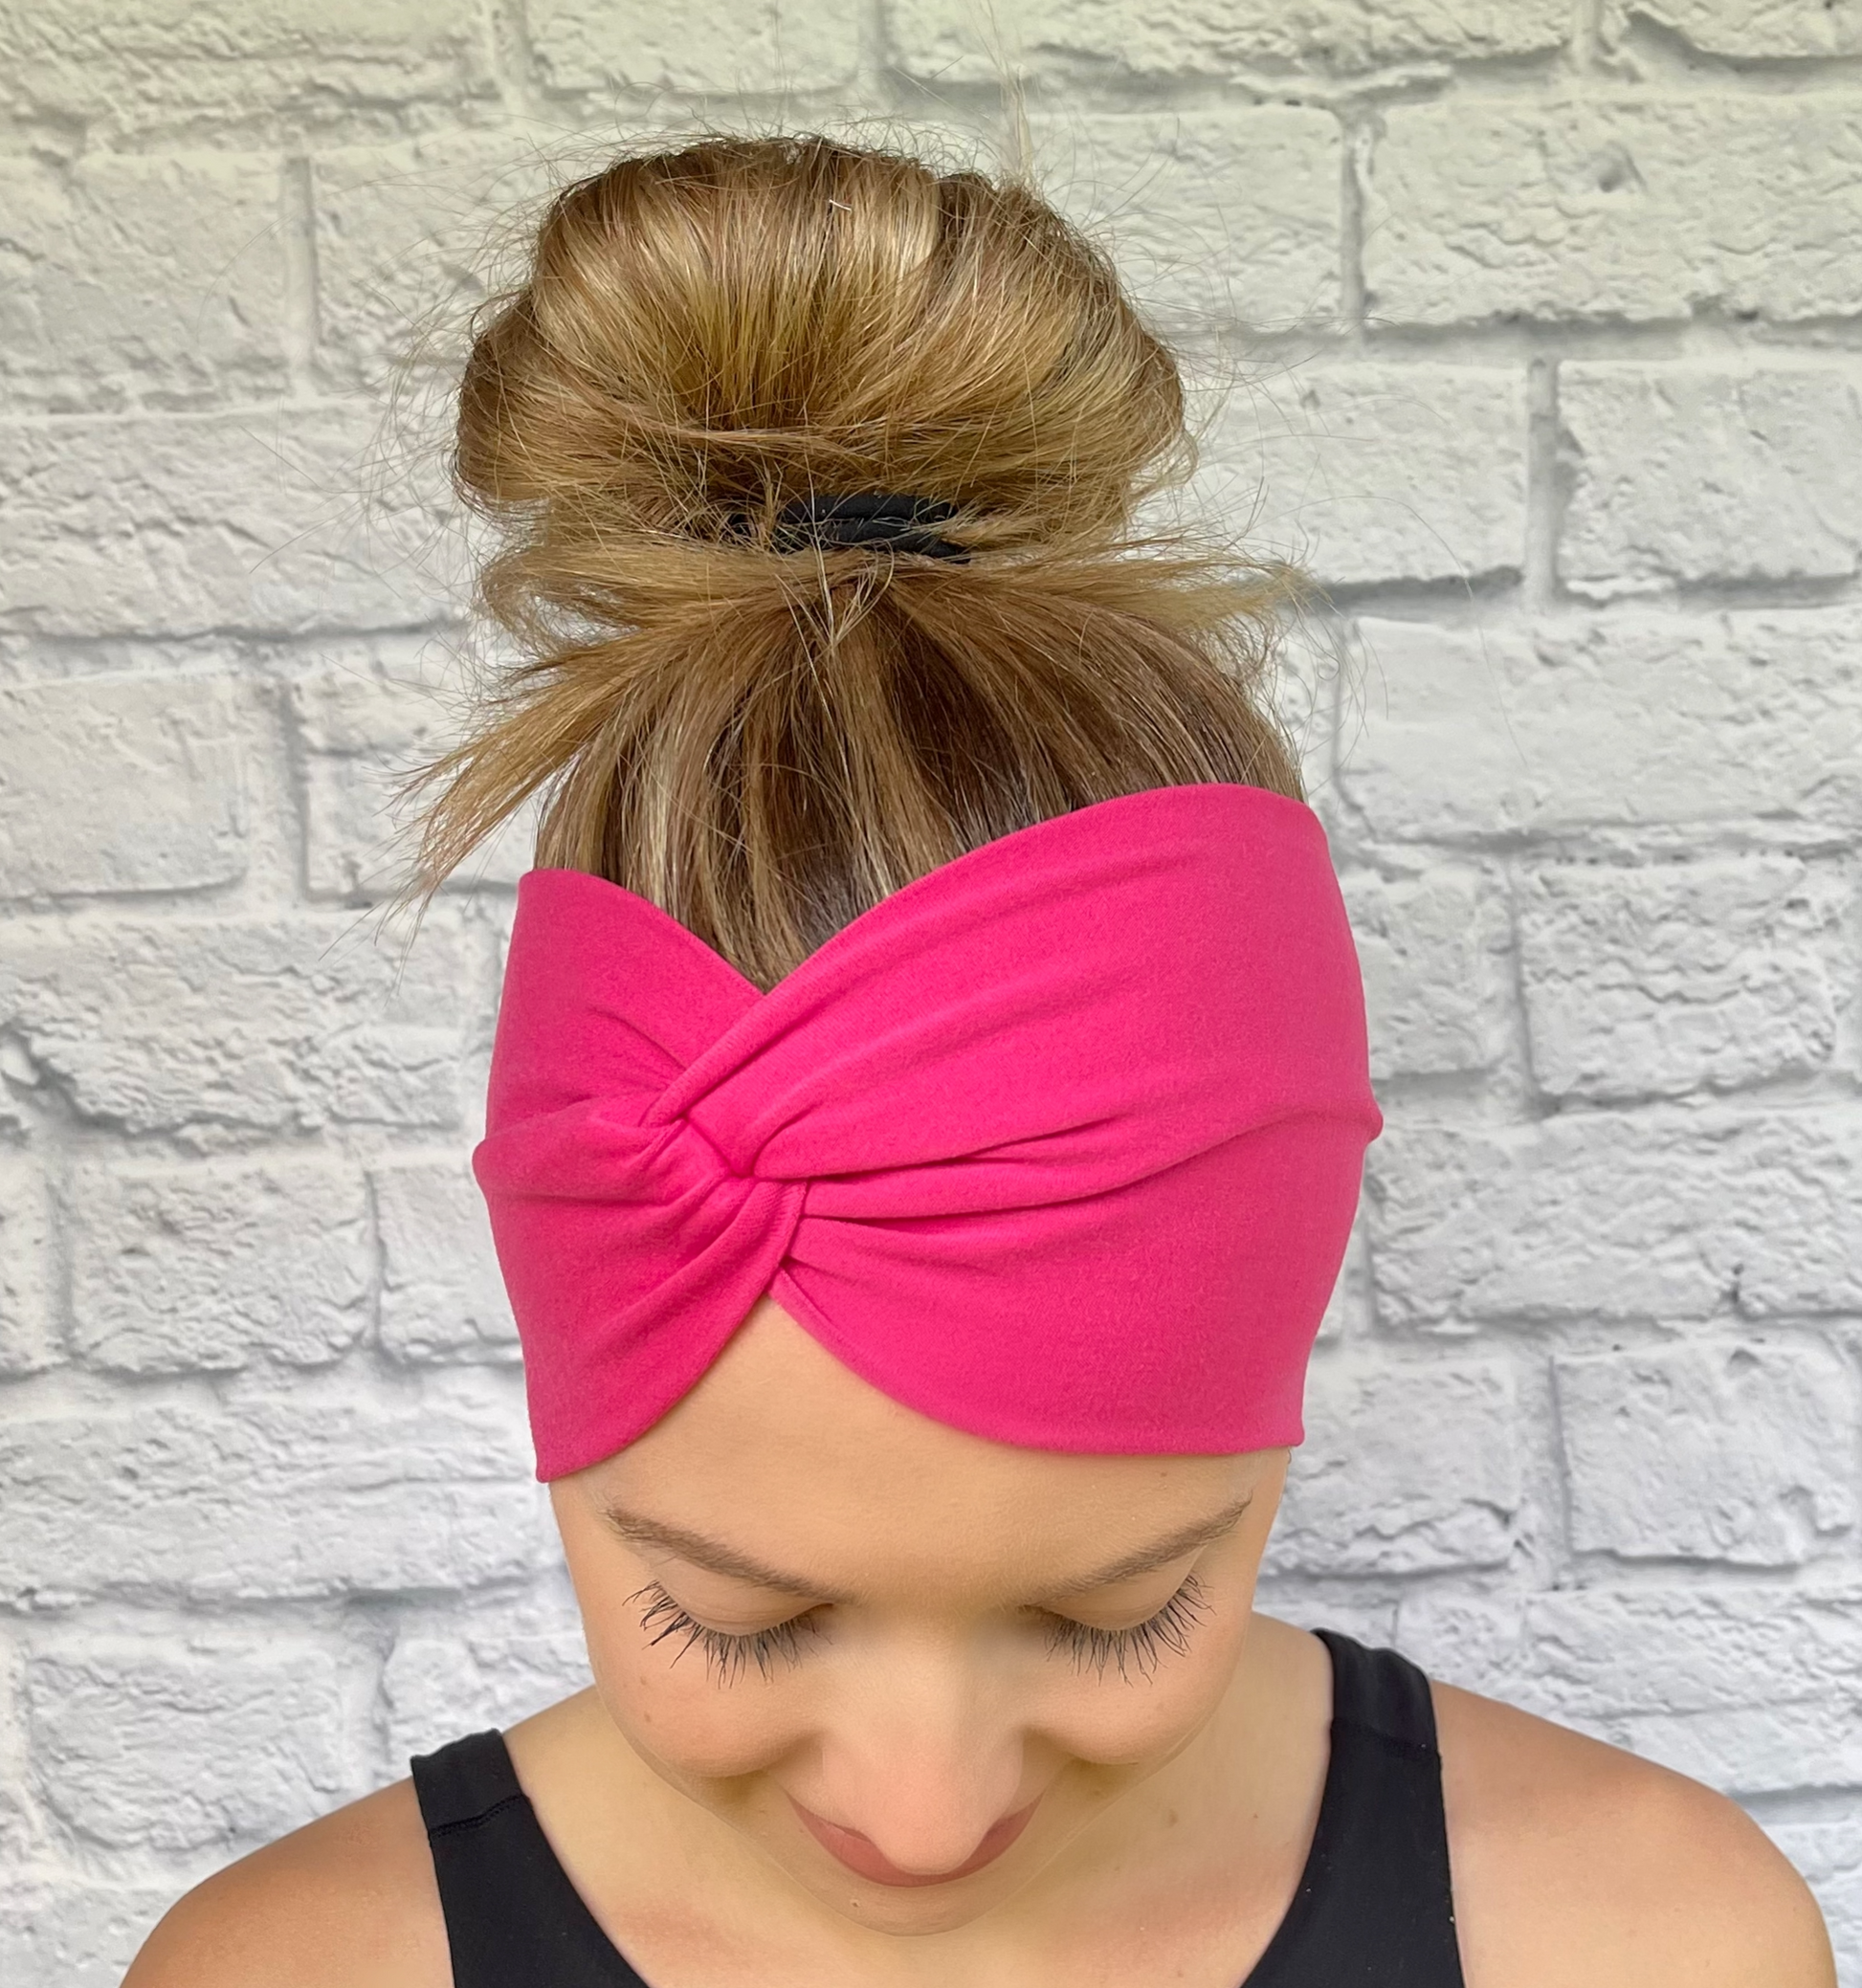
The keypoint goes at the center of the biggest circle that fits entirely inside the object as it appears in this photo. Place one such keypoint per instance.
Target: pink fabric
(1059, 1144)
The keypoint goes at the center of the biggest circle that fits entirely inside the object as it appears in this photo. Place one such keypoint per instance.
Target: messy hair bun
(763, 740)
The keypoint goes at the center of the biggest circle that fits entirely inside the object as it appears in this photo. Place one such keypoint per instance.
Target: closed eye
(1134, 1652)
(725, 1655)
(1139, 1650)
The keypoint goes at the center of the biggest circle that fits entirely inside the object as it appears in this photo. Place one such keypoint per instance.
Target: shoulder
(347, 1902)
(1578, 1865)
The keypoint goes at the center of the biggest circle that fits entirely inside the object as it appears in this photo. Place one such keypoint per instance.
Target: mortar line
(873, 66)
(298, 233)
(1586, 35)
(1539, 579)
(1354, 174)
(513, 59)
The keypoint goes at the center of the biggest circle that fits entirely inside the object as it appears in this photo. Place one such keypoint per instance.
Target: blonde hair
(765, 742)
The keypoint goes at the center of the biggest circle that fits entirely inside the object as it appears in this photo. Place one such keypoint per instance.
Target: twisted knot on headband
(1059, 1144)
(903, 523)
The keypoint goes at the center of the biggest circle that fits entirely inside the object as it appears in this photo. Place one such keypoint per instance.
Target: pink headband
(1059, 1144)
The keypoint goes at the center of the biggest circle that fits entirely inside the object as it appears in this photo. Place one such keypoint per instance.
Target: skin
(928, 1698)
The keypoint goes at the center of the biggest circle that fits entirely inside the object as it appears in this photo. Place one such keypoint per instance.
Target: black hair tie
(880, 517)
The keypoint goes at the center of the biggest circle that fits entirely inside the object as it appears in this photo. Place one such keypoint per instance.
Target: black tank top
(1373, 1906)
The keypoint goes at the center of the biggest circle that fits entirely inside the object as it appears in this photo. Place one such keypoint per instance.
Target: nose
(921, 1772)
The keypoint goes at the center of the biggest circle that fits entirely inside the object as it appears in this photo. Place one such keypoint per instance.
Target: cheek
(1141, 1719)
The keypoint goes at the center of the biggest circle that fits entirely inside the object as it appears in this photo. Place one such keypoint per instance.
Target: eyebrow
(715, 1557)
(1147, 1560)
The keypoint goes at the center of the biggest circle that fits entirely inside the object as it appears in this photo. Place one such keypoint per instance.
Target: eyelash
(1136, 1650)
(1140, 1648)
(725, 1656)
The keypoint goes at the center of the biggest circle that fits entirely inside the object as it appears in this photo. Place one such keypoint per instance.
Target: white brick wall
(1548, 312)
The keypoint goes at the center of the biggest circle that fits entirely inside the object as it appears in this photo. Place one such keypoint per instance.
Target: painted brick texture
(1542, 318)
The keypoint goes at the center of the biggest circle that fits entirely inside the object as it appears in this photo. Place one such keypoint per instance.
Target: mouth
(862, 1856)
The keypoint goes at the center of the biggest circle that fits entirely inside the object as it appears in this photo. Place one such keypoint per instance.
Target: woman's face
(885, 1649)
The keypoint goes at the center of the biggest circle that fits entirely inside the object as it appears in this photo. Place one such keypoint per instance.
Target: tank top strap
(466, 1783)
(1375, 1904)
(1382, 1692)
(512, 1915)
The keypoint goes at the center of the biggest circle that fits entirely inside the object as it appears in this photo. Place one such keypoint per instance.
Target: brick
(1730, 1451)
(1804, 1247)
(141, 281)
(1752, 1688)
(361, 735)
(73, 1931)
(1388, 1507)
(133, 70)
(1377, 473)
(1776, 29)
(1240, 221)
(1635, 720)
(1683, 475)
(271, 1499)
(1663, 979)
(409, 238)
(23, 1836)
(1427, 946)
(273, 1024)
(28, 1336)
(275, 519)
(258, 1722)
(1075, 40)
(1755, 1750)
(1829, 1854)
(1349, 1310)
(1643, 207)
(1356, 1609)
(447, 1677)
(1663, 1215)
(114, 784)
(1303, 688)
(200, 1268)
(603, 45)
(442, 1295)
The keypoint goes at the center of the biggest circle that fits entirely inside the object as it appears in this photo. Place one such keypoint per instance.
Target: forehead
(794, 1460)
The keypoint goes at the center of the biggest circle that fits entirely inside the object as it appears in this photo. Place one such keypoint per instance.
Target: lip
(862, 1856)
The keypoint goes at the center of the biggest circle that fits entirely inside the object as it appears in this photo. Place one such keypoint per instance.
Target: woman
(927, 1110)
